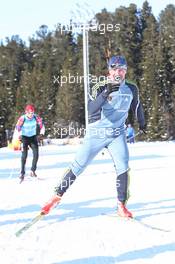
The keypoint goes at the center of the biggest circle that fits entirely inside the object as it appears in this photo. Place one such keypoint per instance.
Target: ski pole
(137, 134)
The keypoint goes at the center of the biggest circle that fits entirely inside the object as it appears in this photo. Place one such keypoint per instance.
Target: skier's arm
(39, 121)
(95, 104)
(41, 125)
(19, 123)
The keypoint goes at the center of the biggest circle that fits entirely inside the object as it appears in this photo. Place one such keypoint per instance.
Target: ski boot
(33, 174)
(123, 211)
(21, 177)
(53, 202)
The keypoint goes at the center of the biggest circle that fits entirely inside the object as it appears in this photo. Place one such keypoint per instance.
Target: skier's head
(29, 110)
(117, 66)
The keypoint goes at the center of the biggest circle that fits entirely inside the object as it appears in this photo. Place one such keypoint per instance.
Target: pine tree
(128, 39)
(70, 100)
(13, 58)
(149, 87)
(166, 69)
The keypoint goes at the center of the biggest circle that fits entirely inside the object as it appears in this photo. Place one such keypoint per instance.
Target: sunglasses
(118, 66)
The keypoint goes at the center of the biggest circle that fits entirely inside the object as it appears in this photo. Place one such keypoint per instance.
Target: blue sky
(24, 17)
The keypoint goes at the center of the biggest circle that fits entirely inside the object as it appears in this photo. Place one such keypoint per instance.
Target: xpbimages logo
(62, 79)
(69, 131)
(101, 28)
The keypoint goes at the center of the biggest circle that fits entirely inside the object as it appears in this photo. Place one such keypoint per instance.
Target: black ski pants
(33, 143)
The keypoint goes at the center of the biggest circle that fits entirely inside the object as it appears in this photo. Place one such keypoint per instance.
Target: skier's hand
(41, 136)
(142, 129)
(40, 139)
(111, 87)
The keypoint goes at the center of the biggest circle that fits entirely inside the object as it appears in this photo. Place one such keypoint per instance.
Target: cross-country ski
(135, 220)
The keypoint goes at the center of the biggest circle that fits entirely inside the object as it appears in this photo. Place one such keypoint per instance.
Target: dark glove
(142, 129)
(111, 87)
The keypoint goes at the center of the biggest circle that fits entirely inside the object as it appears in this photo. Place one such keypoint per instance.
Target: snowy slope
(77, 231)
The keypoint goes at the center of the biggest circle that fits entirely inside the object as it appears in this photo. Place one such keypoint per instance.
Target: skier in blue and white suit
(108, 106)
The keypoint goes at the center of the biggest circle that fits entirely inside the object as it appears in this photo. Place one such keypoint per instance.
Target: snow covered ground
(77, 232)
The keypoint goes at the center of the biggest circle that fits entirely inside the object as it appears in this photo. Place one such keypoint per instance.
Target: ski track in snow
(76, 232)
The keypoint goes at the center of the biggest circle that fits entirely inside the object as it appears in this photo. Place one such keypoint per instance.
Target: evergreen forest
(48, 71)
